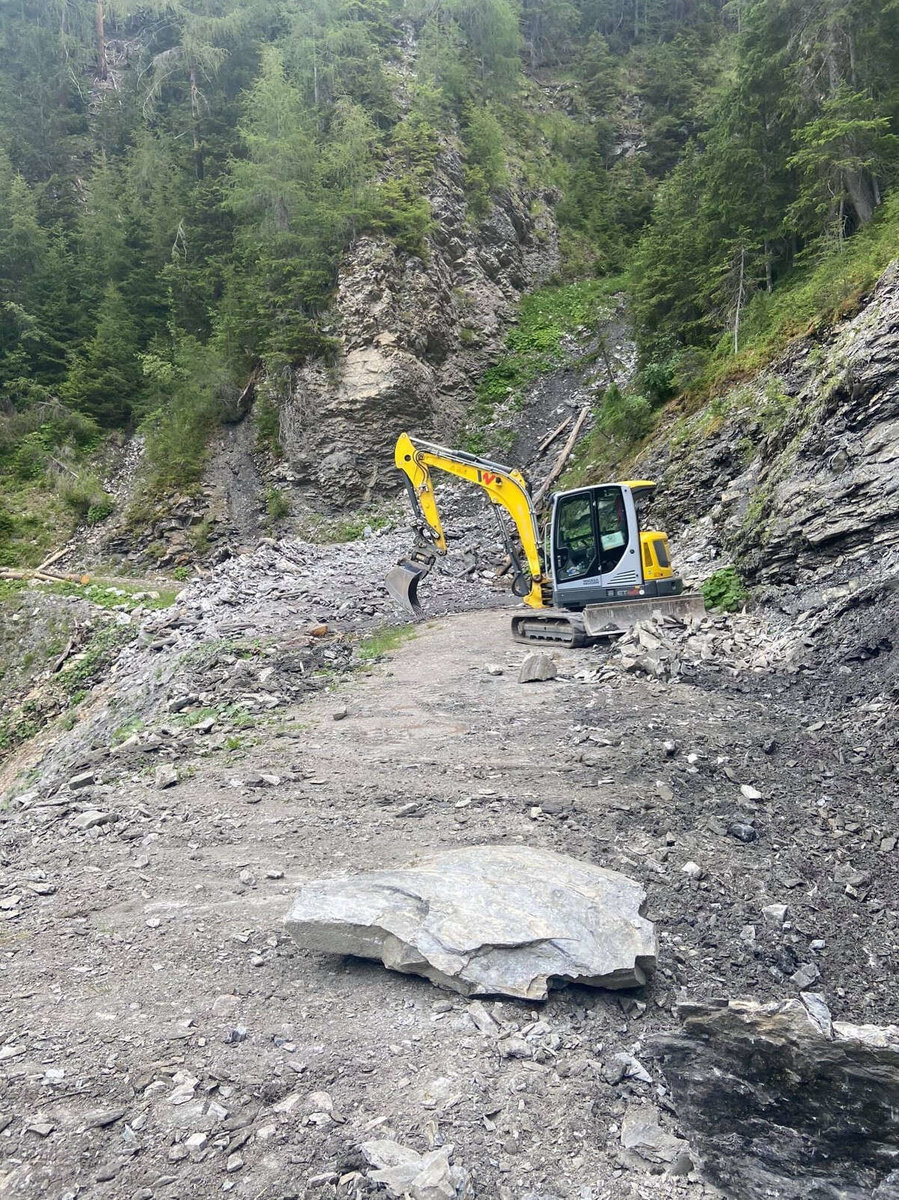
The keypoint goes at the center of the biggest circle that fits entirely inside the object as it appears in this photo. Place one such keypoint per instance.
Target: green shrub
(724, 590)
(100, 510)
(277, 504)
(82, 491)
(191, 392)
(268, 426)
(624, 417)
(30, 457)
(399, 210)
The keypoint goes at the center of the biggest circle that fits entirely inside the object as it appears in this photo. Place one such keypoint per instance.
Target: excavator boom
(506, 487)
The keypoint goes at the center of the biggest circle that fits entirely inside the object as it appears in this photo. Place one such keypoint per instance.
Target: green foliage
(277, 504)
(268, 425)
(100, 510)
(332, 531)
(189, 391)
(724, 590)
(789, 159)
(82, 491)
(485, 158)
(624, 417)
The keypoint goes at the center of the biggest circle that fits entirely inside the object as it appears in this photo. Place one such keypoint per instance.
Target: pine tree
(105, 379)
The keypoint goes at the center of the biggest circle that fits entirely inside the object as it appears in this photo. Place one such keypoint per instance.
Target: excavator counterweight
(604, 573)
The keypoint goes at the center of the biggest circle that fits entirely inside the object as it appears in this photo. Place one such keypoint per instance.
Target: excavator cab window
(611, 518)
(575, 540)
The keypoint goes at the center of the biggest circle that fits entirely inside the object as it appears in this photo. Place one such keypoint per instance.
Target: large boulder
(781, 1101)
(486, 920)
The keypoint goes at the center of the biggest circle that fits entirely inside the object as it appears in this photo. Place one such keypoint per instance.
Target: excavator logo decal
(487, 477)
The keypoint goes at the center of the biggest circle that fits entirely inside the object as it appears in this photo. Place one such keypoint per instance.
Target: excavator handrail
(505, 486)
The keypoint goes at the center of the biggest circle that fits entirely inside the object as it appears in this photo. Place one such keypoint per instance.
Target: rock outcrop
(781, 1101)
(796, 478)
(486, 920)
(414, 333)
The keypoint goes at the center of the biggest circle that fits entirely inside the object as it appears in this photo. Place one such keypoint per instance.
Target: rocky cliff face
(782, 1101)
(797, 475)
(414, 332)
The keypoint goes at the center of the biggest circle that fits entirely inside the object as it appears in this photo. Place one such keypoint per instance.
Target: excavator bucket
(402, 584)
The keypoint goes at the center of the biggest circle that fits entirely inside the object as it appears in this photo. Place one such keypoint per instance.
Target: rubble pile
(666, 648)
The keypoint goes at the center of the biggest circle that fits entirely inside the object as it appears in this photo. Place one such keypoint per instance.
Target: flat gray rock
(486, 920)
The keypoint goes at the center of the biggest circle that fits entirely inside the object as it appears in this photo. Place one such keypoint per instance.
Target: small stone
(224, 1005)
(91, 819)
(775, 915)
(664, 791)
(693, 870)
(270, 780)
(272, 874)
(669, 748)
(413, 809)
(166, 776)
(107, 1172)
(537, 668)
(747, 934)
(887, 845)
(805, 976)
(750, 792)
(625, 1066)
(234, 1163)
(743, 831)
(85, 779)
(235, 1035)
(206, 725)
(40, 1127)
(340, 714)
(515, 1047)
(493, 669)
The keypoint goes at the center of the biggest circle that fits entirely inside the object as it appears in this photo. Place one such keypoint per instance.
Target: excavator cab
(599, 553)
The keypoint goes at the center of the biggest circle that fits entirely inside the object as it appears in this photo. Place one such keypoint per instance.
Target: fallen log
(559, 464)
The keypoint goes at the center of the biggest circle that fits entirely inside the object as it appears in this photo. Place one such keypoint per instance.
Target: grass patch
(535, 346)
(67, 689)
(324, 531)
(34, 521)
(114, 596)
(383, 641)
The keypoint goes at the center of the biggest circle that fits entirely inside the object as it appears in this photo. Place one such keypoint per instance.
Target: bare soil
(162, 1037)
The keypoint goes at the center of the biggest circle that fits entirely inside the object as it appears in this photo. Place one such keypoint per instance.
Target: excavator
(594, 574)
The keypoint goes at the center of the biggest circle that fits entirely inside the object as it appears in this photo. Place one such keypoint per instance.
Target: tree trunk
(102, 64)
(195, 121)
(862, 194)
(739, 305)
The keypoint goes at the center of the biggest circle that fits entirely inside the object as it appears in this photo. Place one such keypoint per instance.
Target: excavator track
(552, 628)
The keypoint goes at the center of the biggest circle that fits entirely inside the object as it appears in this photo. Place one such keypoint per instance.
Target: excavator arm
(506, 488)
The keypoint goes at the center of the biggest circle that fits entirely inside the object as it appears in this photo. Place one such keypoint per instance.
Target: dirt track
(157, 969)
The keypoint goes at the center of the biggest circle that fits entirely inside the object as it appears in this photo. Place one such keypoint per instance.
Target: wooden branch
(37, 573)
(68, 652)
(559, 464)
(551, 437)
(52, 559)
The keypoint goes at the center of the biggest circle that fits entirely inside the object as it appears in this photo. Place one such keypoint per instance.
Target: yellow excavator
(599, 571)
